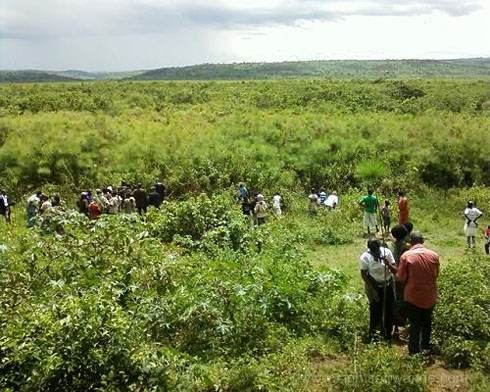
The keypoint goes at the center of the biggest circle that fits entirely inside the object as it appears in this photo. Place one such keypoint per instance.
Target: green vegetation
(192, 297)
(331, 69)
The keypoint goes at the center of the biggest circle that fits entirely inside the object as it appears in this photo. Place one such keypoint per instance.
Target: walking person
(471, 214)
(332, 201)
(4, 205)
(418, 270)
(487, 240)
(276, 204)
(375, 265)
(370, 205)
(403, 208)
(32, 209)
(141, 199)
(154, 198)
(242, 193)
(312, 203)
(322, 197)
(260, 209)
(161, 189)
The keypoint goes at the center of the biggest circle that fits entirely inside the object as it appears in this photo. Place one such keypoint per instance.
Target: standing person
(247, 210)
(46, 205)
(161, 189)
(154, 198)
(276, 204)
(113, 204)
(260, 209)
(242, 192)
(141, 199)
(94, 211)
(487, 238)
(83, 204)
(403, 208)
(4, 205)
(471, 214)
(313, 203)
(375, 265)
(386, 216)
(252, 204)
(32, 209)
(418, 270)
(128, 205)
(370, 205)
(322, 197)
(332, 201)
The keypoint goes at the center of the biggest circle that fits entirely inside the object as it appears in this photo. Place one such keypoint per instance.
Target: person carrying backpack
(260, 209)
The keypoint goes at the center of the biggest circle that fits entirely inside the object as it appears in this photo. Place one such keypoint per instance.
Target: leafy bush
(462, 315)
(379, 368)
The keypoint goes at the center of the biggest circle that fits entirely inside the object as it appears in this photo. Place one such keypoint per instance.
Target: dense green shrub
(462, 315)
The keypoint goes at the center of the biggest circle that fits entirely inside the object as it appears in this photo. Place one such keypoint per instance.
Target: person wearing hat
(471, 214)
(260, 209)
(418, 271)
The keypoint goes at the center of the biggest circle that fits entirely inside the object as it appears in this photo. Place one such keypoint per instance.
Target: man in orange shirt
(418, 270)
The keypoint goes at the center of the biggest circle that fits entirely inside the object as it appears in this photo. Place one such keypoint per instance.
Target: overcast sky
(115, 35)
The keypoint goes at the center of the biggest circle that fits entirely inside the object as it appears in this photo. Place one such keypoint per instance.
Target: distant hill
(32, 76)
(477, 68)
(29, 76)
(463, 68)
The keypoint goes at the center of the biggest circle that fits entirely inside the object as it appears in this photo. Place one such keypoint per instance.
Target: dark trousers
(376, 313)
(420, 328)
(487, 248)
(141, 209)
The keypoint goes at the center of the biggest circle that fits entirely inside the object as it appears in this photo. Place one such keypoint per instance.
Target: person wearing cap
(471, 214)
(419, 270)
(312, 202)
(378, 279)
(260, 209)
(332, 201)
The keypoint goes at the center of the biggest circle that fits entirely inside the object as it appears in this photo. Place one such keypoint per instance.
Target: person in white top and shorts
(471, 214)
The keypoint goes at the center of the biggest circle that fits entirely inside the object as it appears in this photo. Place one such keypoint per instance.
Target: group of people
(370, 205)
(401, 284)
(109, 200)
(321, 198)
(255, 209)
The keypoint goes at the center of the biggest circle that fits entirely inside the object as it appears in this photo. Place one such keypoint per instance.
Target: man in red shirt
(418, 270)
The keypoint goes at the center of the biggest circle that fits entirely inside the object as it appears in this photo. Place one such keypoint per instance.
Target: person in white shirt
(32, 209)
(378, 280)
(276, 204)
(46, 205)
(332, 201)
(471, 214)
(4, 205)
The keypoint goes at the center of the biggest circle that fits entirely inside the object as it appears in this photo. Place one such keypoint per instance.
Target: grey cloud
(53, 18)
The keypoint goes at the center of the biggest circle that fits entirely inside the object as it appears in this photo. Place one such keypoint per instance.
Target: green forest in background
(340, 69)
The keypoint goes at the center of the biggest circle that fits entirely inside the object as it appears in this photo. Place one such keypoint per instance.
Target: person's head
(401, 193)
(470, 204)
(260, 197)
(313, 190)
(387, 203)
(57, 198)
(374, 245)
(488, 227)
(334, 193)
(276, 194)
(98, 191)
(322, 189)
(370, 191)
(153, 189)
(240, 186)
(408, 226)
(140, 186)
(416, 237)
(399, 232)
(39, 193)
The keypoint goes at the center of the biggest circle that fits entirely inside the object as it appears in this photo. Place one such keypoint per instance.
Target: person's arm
(402, 271)
(478, 217)
(389, 262)
(369, 285)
